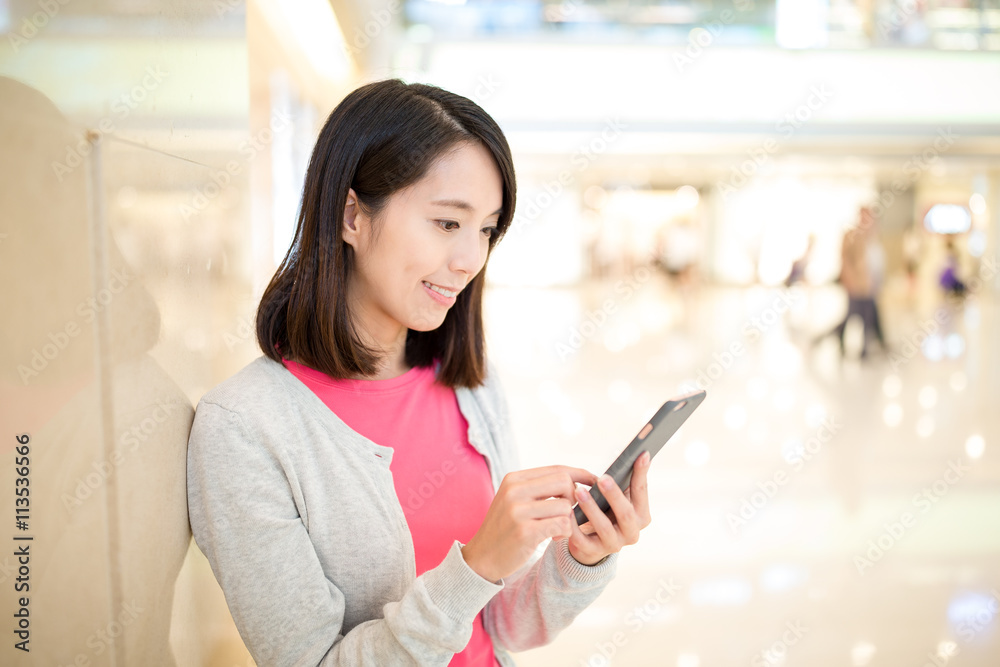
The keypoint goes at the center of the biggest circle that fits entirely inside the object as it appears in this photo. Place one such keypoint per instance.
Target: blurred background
(793, 204)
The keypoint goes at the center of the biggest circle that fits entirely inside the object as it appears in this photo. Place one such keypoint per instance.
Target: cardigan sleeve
(244, 518)
(543, 597)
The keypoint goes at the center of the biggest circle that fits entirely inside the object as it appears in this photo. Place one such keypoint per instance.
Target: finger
(601, 523)
(556, 484)
(628, 522)
(557, 527)
(544, 509)
(637, 492)
(576, 474)
(582, 538)
(577, 530)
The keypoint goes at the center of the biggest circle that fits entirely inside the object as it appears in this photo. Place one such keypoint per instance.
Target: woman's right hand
(529, 507)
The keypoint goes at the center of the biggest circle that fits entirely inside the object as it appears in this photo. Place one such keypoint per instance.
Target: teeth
(440, 290)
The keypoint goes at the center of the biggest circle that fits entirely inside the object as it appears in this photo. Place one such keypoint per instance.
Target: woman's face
(434, 232)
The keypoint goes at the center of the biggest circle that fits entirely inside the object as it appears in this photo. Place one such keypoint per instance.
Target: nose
(468, 254)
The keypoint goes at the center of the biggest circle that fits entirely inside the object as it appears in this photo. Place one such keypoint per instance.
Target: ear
(353, 219)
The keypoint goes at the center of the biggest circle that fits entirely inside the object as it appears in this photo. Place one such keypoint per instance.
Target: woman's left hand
(606, 534)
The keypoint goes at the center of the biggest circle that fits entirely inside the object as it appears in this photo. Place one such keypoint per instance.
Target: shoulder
(259, 388)
(245, 415)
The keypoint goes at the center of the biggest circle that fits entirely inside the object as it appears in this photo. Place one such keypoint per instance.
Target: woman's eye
(489, 232)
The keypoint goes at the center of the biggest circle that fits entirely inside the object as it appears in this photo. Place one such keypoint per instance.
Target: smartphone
(650, 438)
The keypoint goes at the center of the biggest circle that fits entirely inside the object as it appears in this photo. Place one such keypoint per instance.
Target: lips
(444, 291)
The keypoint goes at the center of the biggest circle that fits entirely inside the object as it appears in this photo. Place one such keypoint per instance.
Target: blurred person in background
(949, 279)
(911, 259)
(608, 249)
(797, 273)
(356, 488)
(677, 251)
(862, 267)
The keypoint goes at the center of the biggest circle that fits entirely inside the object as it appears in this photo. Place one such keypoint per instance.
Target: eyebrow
(461, 204)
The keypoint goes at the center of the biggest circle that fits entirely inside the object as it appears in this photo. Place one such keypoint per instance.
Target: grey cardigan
(299, 518)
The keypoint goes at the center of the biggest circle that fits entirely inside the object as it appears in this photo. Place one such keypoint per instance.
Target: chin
(429, 323)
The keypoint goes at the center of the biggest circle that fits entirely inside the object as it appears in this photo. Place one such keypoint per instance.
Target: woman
(356, 489)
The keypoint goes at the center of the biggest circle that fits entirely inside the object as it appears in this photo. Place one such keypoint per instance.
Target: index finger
(578, 475)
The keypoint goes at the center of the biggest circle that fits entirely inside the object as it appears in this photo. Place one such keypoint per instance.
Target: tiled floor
(814, 511)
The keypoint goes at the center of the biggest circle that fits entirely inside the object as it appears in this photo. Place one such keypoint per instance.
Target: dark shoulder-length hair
(380, 139)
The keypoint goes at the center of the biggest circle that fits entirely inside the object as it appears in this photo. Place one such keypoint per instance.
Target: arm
(543, 597)
(288, 612)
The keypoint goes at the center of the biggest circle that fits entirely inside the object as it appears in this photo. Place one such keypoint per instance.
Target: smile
(439, 290)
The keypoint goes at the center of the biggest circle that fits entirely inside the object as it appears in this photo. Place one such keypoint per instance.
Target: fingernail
(605, 481)
(645, 458)
(582, 495)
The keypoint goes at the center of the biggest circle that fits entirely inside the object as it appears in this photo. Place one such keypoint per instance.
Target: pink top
(442, 482)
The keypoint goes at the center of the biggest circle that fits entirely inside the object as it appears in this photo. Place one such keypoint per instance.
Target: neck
(390, 341)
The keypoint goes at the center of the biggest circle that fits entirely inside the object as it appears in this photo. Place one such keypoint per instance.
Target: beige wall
(126, 276)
